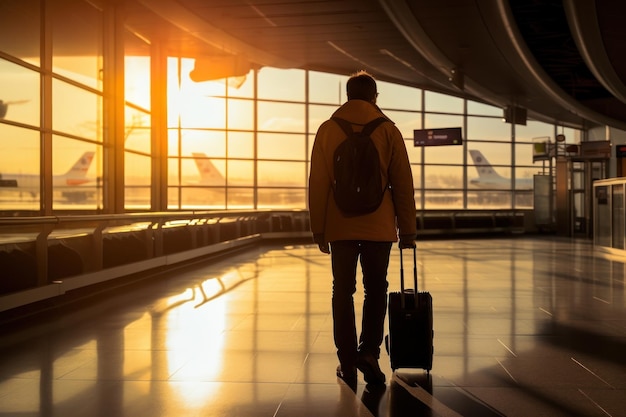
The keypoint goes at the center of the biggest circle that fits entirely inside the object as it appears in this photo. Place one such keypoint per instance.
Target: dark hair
(361, 86)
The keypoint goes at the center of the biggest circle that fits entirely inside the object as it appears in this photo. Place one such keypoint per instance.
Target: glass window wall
(21, 20)
(283, 146)
(240, 114)
(400, 97)
(72, 152)
(21, 94)
(79, 116)
(441, 103)
(406, 122)
(326, 88)
(240, 173)
(241, 142)
(281, 117)
(77, 174)
(487, 128)
(281, 84)
(475, 108)
(79, 61)
(19, 169)
(138, 181)
(318, 115)
(137, 130)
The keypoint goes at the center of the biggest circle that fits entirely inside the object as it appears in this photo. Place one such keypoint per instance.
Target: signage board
(437, 137)
(600, 149)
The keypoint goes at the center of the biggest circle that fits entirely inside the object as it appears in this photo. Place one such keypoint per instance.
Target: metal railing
(44, 257)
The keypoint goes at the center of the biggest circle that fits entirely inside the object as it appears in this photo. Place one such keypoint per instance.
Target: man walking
(366, 237)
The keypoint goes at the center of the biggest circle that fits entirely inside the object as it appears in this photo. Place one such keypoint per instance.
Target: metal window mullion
(45, 195)
(158, 127)
(256, 140)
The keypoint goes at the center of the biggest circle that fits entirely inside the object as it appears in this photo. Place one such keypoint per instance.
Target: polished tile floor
(525, 326)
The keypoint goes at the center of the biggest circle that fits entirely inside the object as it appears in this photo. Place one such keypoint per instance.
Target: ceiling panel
(517, 52)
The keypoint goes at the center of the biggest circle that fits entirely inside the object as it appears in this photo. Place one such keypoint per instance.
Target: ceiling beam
(191, 23)
(583, 22)
(526, 60)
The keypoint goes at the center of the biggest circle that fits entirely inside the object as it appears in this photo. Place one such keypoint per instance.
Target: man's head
(361, 86)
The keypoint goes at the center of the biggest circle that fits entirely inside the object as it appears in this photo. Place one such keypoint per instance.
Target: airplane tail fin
(81, 166)
(482, 165)
(209, 174)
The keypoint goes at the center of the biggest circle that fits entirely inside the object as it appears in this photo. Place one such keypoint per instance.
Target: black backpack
(358, 187)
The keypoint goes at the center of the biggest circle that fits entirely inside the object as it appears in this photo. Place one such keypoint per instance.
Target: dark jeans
(374, 258)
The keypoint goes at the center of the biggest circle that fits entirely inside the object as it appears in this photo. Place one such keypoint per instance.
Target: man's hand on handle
(324, 247)
(406, 243)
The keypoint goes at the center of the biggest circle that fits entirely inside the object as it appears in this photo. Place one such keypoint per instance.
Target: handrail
(136, 215)
(43, 257)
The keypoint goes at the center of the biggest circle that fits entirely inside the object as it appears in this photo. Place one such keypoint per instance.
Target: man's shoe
(348, 376)
(368, 364)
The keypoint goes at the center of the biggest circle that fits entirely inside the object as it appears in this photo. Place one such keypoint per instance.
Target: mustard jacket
(396, 215)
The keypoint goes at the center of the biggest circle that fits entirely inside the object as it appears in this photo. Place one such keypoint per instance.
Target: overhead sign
(437, 137)
(600, 149)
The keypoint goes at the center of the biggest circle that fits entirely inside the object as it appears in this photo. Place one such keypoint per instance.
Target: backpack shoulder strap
(367, 129)
(371, 126)
(344, 124)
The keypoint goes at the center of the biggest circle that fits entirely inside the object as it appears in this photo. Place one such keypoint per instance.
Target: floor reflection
(523, 326)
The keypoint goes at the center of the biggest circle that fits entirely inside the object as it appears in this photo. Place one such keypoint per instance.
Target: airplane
(488, 178)
(209, 174)
(69, 183)
(4, 106)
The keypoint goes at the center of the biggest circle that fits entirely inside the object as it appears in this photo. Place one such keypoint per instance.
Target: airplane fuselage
(501, 183)
(489, 179)
(71, 184)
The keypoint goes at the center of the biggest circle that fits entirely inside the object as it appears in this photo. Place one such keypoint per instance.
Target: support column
(158, 126)
(562, 198)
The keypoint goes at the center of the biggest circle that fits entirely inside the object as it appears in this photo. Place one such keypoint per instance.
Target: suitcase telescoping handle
(402, 302)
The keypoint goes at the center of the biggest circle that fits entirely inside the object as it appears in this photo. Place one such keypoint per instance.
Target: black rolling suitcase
(410, 339)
